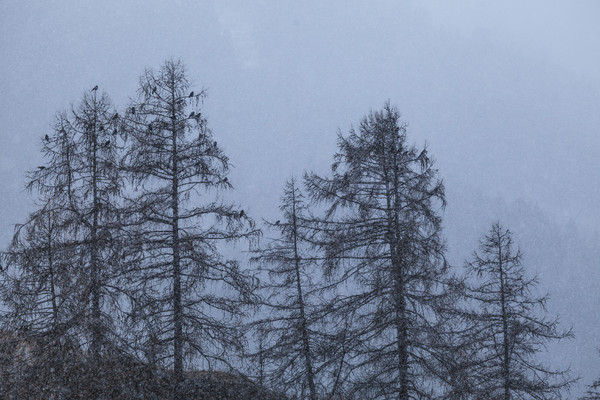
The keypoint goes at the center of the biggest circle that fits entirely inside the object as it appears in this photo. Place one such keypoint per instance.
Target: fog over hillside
(507, 98)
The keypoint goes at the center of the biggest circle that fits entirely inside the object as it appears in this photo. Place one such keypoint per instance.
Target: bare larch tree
(42, 305)
(381, 236)
(184, 292)
(64, 257)
(288, 332)
(511, 326)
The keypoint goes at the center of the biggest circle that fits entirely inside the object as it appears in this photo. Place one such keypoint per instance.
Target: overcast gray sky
(507, 96)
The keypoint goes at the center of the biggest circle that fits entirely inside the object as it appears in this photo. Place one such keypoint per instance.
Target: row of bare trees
(362, 303)
(124, 250)
(121, 269)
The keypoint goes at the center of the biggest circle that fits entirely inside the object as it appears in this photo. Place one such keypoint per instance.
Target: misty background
(506, 96)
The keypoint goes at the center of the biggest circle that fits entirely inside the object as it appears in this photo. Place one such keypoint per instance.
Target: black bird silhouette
(114, 131)
(423, 158)
(95, 88)
(115, 116)
(225, 180)
(242, 213)
(215, 143)
(192, 114)
(133, 110)
(154, 89)
(47, 138)
(101, 128)
(107, 143)
(191, 94)
(41, 167)
(277, 222)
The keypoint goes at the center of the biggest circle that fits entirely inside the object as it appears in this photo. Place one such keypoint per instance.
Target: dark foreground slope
(39, 368)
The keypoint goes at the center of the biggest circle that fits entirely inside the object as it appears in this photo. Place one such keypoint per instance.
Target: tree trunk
(95, 284)
(55, 342)
(505, 360)
(394, 237)
(305, 339)
(177, 307)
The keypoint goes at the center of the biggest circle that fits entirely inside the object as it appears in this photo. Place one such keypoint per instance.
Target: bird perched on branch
(95, 88)
(47, 138)
(422, 158)
(191, 94)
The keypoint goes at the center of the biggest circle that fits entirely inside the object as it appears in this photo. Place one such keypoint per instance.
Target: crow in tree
(116, 116)
(107, 143)
(242, 214)
(133, 110)
(192, 93)
(277, 222)
(422, 158)
(192, 114)
(187, 240)
(41, 167)
(47, 138)
(95, 88)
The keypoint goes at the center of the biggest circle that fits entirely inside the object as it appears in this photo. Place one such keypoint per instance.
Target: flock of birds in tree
(115, 117)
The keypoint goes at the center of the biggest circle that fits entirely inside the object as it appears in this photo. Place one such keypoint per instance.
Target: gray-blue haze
(507, 97)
